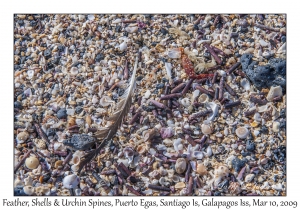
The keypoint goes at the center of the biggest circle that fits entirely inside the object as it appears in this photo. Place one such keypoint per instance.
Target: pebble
(238, 164)
(62, 114)
(250, 146)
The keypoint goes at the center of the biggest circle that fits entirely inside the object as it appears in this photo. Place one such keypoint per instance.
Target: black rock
(60, 48)
(196, 27)
(283, 39)
(121, 91)
(21, 22)
(33, 23)
(118, 28)
(80, 141)
(217, 193)
(18, 105)
(18, 191)
(47, 53)
(160, 86)
(283, 113)
(245, 154)
(78, 109)
(23, 58)
(62, 114)
(139, 78)
(165, 79)
(282, 124)
(164, 31)
(238, 164)
(272, 74)
(250, 146)
(51, 132)
(207, 55)
(244, 29)
(99, 57)
(264, 129)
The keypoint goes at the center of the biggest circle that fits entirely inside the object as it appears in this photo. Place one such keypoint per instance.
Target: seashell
(91, 17)
(257, 117)
(58, 164)
(106, 101)
(95, 99)
(132, 29)
(141, 149)
(249, 177)
(245, 84)
(40, 143)
(276, 127)
(123, 46)
(147, 94)
(185, 102)
(254, 124)
(198, 155)
(22, 136)
(242, 132)
(169, 70)
(282, 49)
(203, 98)
(128, 153)
(74, 71)
(195, 94)
(180, 165)
(71, 181)
(88, 119)
(193, 165)
(221, 171)
(274, 92)
(28, 190)
(75, 168)
(179, 185)
(167, 132)
(32, 162)
(174, 53)
(201, 169)
(70, 111)
(256, 132)
(28, 181)
(208, 151)
(277, 187)
(177, 145)
(175, 178)
(215, 109)
(234, 188)
(75, 159)
(118, 20)
(206, 128)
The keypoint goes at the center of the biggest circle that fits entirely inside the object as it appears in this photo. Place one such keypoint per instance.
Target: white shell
(263, 43)
(205, 128)
(215, 108)
(185, 102)
(257, 117)
(242, 132)
(174, 53)
(169, 70)
(203, 98)
(274, 92)
(195, 94)
(71, 181)
(245, 84)
(105, 101)
(176, 143)
(147, 94)
(123, 46)
(275, 127)
(131, 29)
(28, 190)
(249, 177)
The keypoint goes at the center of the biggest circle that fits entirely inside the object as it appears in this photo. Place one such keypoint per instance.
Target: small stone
(62, 114)
(47, 53)
(18, 105)
(78, 109)
(249, 177)
(264, 161)
(250, 146)
(99, 57)
(180, 165)
(238, 164)
(160, 86)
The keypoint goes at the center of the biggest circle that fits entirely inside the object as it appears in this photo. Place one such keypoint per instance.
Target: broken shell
(28, 190)
(221, 171)
(203, 98)
(245, 84)
(206, 128)
(58, 164)
(71, 181)
(123, 46)
(174, 53)
(128, 153)
(141, 149)
(276, 127)
(242, 132)
(32, 162)
(249, 177)
(201, 169)
(185, 102)
(274, 92)
(215, 108)
(23, 136)
(105, 101)
(179, 185)
(166, 132)
(180, 165)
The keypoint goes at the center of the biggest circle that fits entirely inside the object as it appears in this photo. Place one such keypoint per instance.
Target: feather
(121, 110)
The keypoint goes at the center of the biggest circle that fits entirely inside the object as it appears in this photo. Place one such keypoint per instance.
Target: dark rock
(18, 105)
(99, 57)
(80, 141)
(272, 74)
(60, 48)
(207, 55)
(250, 146)
(283, 113)
(18, 191)
(160, 86)
(62, 114)
(47, 53)
(165, 80)
(121, 91)
(283, 39)
(33, 23)
(238, 164)
(282, 124)
(196, 27)
(139, 78)
(78, 109)
(23, 58)
(264, 129)
(217, 193)
(244, 29)
(164, 31)
(118, 28)
(21, 22)
(51, 132)
(245, 154)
